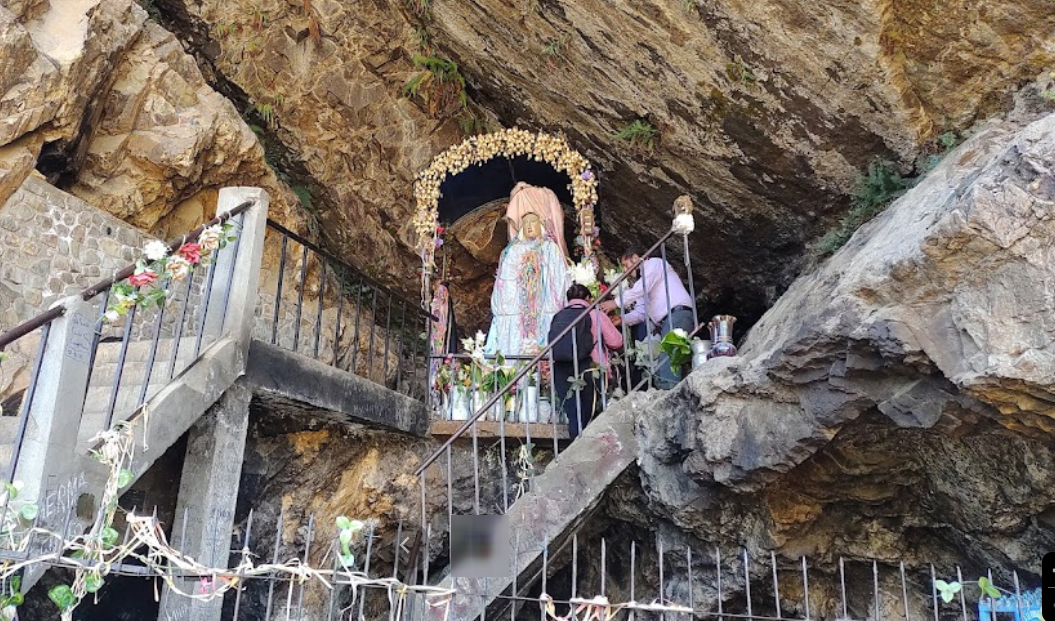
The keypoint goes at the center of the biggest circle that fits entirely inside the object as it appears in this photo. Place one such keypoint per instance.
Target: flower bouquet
(141, 288)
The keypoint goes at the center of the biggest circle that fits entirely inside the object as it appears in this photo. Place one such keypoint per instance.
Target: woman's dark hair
(578, 292)
(630, 252)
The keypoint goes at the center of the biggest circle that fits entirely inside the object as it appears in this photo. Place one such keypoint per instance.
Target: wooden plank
(490, 429)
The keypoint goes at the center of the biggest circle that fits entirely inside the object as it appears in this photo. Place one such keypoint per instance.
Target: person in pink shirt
(582, 403)
(579, 297)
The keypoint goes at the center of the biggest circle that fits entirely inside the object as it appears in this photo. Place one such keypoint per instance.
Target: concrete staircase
(560, 501)
(133, 374)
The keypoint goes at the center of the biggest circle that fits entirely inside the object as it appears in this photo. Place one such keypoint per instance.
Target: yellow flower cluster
(508, 143)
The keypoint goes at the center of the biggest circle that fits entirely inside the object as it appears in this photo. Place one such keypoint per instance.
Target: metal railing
(581, 575)
(522, 446)
(322, 307)
(137, 354)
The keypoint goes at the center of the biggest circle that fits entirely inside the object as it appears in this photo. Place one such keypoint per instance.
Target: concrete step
(560, 500)
(136, 357)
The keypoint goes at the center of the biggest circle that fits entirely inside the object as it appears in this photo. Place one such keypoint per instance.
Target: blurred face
(628, 261)
(532, 226)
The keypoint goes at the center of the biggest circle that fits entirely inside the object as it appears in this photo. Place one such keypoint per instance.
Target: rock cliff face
(766, 111)
(108, 106)
(898, 403)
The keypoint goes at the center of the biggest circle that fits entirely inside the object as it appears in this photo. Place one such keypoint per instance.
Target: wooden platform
(490, 430)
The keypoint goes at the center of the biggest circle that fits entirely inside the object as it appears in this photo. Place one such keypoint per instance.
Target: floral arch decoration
(509, 143)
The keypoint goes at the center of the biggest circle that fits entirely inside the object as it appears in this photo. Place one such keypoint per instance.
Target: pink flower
(191, 252)
(203, 587)
(144, 278)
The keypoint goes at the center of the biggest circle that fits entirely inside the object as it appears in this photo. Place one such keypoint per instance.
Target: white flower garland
(509, 143)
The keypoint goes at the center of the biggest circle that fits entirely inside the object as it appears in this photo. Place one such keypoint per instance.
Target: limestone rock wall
(897, 403)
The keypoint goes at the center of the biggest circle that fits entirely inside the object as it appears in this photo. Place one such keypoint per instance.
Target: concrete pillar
(55, 413)
(207, 495)
(234, 290)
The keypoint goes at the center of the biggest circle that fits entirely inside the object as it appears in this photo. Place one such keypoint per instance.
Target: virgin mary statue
(532, 274)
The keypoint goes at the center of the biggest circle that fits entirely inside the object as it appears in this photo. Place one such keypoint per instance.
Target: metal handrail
(468, 424)
(329, 257)
(55, 312)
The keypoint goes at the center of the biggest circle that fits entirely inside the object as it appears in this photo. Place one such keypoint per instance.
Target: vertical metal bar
(992, 602)
(179, 326)
(604, 565)
(278, 289)
(206, 300)
(358, 314)
(574, 564)
(692, 285)
(366, 565)
(718, 570)
(576, 378)
(27, 403)
(96, 337)
(402, 340)
(300, 296)
(388, 336)
(337, 324)
(628, 346)
(688, 567)
(554, 412)
(395, 555)
(776, 582)
(1018, 596)
(274, 560)
(450, 491)
(245, 553)
(502, 459)
(318, 310)
(307, 551)
(747, 585)
(842, 586)
(875, 588)
(230, 275)
(963, 602)
(476, 470)
(145, 386)
(516, 564)
(645, 295)
(633, 570)
(336, 579)
(600, 358)
(373, 329)
(806, 586)
(119, 372)
(933, 593)
(904, 590)
(545, 565)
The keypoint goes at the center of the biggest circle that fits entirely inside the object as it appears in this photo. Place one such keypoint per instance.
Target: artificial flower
(210, 238)
(143, 278)
(177, 267)
(684, 224)
(680, 333)
(155, 250)
(112, 315)
(191, 252)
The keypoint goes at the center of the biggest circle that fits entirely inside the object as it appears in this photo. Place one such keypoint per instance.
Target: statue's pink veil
(525, 199)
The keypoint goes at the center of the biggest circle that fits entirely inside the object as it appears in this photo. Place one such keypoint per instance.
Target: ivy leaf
(12, 491)
(347, 560)
(93, 582)
(343, 523)
(16, 583)
(109, 536)
(988, 588)
(28, 512)
(947, 590)
(346, 536)
(124, 477)
(63, 596)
